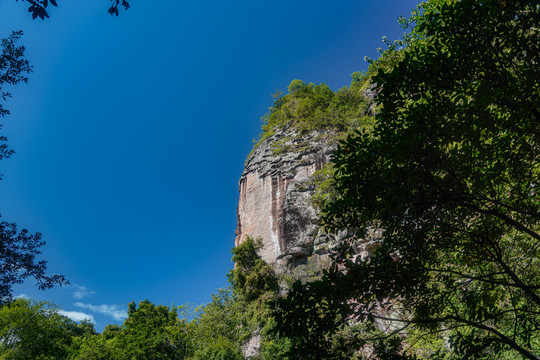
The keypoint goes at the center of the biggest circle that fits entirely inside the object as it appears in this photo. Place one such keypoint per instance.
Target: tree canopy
(36, 330)
(309, 107)
(449, 180)
(18, 249)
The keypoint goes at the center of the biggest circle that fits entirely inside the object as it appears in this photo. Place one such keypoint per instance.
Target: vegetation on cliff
(308, 108)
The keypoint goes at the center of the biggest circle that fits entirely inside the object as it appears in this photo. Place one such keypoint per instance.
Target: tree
(224, 328)
(220, 348)
(218, 330)
(251, 277)
(38, 8)
(449, 180)
(35, 330)
(18, 249)
(96, 347)
(152, 332)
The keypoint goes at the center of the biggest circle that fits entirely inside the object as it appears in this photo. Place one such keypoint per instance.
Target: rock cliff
(276, 190)
(281, 182)
(277, 185)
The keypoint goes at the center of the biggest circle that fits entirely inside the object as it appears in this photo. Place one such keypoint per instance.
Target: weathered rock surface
(276, 192)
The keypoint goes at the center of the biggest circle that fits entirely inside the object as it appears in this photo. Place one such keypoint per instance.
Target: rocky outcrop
(276, 192)
(278, 185)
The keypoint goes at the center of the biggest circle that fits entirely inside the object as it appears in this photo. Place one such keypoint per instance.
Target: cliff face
(278, 185)
(276, 192)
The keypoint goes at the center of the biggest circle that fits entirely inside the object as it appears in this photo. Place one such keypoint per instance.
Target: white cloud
(22, 296)
(80, 292)
(77, 316)
(113, 311)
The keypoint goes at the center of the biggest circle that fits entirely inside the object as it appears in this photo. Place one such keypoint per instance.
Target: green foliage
(97, 347)
(35, 330)
(251, 276)
(235, 315)
(220, 349)
(111, 331)
(232, 320)
(323, 180)
(450, 176)
(222, 327)
(223, 318)
(149, 332)
(308, 107)
(217, 330)
(153, 332)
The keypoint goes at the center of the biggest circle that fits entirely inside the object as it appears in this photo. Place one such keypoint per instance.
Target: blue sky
(132, 132)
